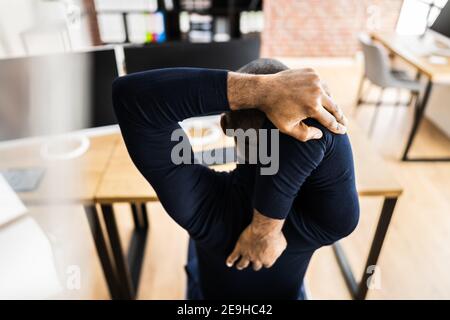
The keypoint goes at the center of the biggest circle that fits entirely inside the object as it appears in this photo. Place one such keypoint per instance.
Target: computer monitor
(442, 23)
(230, 55)
(54, 94)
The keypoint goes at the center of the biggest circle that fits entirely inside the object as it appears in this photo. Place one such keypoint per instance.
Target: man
(278, 221)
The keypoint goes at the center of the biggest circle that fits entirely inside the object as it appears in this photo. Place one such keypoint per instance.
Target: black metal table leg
(144, 214)
(346, 269)
(123, 273)
(136, 216)
(418, 116)
(136, 255)
(139, 212)
(102, 251)
(138, 241)
(377, 244)
(360, 91)
(359, 291)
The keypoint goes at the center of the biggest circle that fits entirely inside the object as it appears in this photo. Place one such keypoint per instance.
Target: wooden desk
(123, 183)
(400, 46)
(69, 182)
(65, 181)
(373, 179)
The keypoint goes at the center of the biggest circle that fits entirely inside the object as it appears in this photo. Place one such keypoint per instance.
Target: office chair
(377, 69)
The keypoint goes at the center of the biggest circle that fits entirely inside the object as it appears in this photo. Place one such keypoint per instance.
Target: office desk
(373, 179)
(72, 181)
(123, 183)
(84, 172)
(400, 46)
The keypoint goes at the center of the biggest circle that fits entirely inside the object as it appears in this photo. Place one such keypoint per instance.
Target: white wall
(40, 26)
(15, 17)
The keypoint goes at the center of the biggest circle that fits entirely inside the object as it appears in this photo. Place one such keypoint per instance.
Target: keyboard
(425, 46)
(23, 180)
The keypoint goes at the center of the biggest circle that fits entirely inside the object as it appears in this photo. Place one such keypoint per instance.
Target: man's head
(251, 118)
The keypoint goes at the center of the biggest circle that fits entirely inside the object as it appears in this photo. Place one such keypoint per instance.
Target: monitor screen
(58, 93)
(230, 55)
(442, 23)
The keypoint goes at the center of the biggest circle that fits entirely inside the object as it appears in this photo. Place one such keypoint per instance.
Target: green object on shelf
(149, 37)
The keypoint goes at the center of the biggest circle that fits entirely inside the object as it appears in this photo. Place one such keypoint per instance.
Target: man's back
(324, 211)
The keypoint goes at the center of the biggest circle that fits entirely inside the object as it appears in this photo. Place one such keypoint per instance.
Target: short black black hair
(263, 66)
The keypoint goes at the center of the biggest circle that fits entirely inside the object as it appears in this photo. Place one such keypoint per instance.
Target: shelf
(212, 11)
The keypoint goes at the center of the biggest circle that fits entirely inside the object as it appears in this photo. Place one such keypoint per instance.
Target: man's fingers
(243, 263)
(325, 88)
(233, 257)
(304, 133)
(329, 121)
(257, 265)
(333, 108)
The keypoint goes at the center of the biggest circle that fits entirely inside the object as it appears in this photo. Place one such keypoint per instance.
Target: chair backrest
(376, 62)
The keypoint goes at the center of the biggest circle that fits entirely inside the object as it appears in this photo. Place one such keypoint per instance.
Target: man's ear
(242, 119)
(225, 122)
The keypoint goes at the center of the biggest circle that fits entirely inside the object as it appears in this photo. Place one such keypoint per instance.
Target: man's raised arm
(287, 98)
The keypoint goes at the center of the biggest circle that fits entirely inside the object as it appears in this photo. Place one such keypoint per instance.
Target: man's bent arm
(287, 98)
(149, 106)
(263, 242)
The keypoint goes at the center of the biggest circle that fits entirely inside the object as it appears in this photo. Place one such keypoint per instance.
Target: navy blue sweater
(314, 189)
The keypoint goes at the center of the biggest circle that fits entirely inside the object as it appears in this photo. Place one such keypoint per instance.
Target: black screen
(103, 72)
(442, 23)
(80, 82)
(230, 55)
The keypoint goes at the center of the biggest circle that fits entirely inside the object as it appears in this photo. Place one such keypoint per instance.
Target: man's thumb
(233, 257)
(304, 133)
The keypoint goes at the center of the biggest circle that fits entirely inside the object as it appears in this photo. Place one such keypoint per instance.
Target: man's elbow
(123, 95)
(348, 224)
(121, 88)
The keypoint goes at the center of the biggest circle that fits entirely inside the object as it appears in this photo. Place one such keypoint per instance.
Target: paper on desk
(27, 269)
(437, 59)
(11, 207)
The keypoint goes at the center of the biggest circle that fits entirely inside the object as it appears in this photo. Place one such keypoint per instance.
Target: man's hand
(287, 98)
(261, 244)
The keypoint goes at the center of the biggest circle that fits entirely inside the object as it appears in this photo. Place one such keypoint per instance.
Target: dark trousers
(194, 291)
